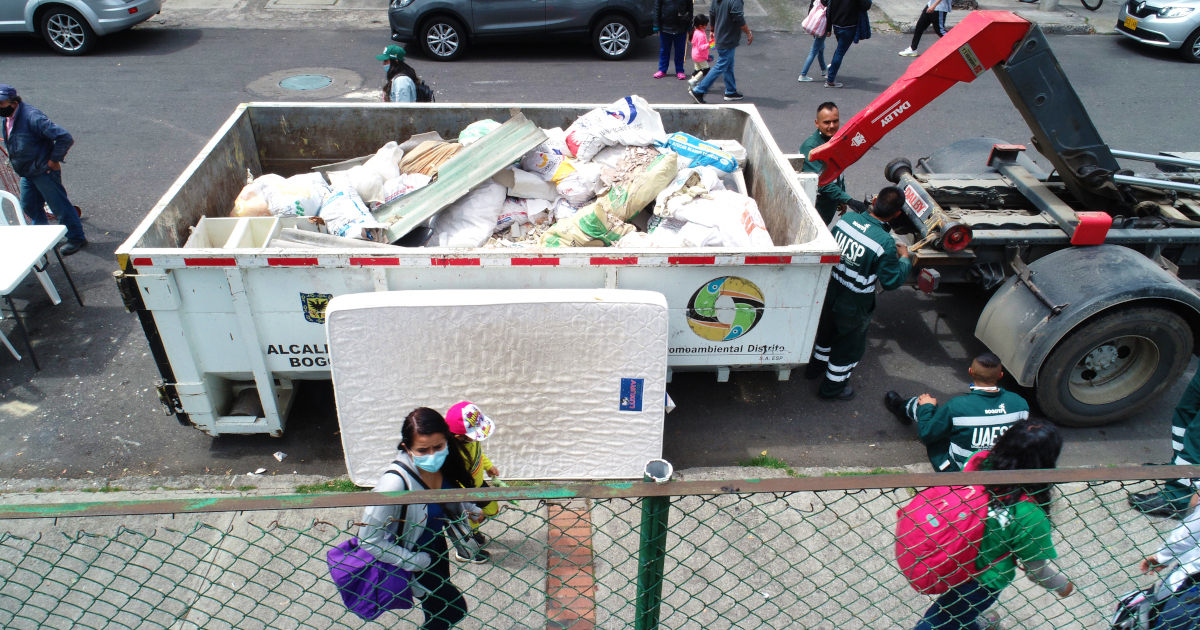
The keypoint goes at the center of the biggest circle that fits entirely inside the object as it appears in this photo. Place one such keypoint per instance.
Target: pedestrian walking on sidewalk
(700, 45)
(973, 422)
(413, 537)
(1172, 499)
(1017, 528)
(869, 254)
(402, 80)
(817, 52)
(728, 23)
(843, 18)
(934, 15)
(672, 22)
(470, 427)
(36, 150)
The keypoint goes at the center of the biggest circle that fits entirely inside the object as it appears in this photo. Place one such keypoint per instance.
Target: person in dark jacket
(36, 149)
(728, 23)
(673, 22)
(842, 18)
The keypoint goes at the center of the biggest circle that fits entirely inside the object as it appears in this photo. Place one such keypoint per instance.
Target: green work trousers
(1185, 444)
(841, 342)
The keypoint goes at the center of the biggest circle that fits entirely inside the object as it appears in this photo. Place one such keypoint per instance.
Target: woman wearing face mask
(413, 538)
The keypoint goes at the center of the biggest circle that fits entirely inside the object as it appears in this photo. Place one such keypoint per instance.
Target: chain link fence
(787, 553)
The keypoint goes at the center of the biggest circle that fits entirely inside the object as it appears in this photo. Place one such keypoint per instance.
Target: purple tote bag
(368, 586)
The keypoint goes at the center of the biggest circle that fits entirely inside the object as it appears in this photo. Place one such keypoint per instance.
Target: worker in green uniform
(869, 253)
(833, 195)
(1173, 498)
(954, 431)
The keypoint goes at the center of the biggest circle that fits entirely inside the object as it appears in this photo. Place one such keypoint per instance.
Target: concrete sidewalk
(271, 14)
(1068, 17)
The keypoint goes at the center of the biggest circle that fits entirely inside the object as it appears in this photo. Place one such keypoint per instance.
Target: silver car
(1163, 23)
(71, 27)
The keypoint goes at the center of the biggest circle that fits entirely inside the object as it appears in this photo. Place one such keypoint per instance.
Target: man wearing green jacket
(869, 253)
(954, 431)
(833, 195)
(1173, 498)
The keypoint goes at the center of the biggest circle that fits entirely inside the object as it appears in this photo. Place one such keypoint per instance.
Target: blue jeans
(724, 67)
(667, 41)
(958, 608)
(817, 52)
(845, 37)
(47, 189)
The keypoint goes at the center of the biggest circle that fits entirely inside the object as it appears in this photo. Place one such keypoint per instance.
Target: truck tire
(1112, 366)
(443, 39)
(67, 32)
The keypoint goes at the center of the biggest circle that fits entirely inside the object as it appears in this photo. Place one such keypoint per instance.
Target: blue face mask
(433, 462)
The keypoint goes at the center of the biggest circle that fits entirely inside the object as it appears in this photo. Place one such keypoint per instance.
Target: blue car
(445, 28)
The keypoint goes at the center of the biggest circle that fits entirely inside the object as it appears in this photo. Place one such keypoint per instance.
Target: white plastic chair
(39, 270)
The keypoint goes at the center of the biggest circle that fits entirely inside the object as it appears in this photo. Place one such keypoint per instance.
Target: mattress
(575, 379)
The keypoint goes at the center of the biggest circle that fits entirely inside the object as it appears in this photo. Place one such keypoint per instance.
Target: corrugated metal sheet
(472, 166)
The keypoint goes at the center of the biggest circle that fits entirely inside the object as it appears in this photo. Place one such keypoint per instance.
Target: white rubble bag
(272, 195)
(345, 214)
(469, 221)
(575, 379)
(629, 121)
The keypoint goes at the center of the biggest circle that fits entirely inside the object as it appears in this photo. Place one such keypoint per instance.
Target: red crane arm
(978, 42)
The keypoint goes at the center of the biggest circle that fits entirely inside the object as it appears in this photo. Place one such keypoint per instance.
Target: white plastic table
(21, 247)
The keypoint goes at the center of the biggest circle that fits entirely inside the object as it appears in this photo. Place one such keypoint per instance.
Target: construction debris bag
(625, 200)
(695, 152)
(725, 219)
(469, 221)
(345, 214)
(583, 185)
(272, 195)
(629, 121)
(590, 227)
(732, 147)
(386, 161)
(549, 159)
(402, 185)
(689, 183)
(476, 131)
(513, 211)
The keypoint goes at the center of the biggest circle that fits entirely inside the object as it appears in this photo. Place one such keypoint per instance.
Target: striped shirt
(868, 255)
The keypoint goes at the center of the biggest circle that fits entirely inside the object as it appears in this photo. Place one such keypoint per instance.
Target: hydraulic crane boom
(1033, 80)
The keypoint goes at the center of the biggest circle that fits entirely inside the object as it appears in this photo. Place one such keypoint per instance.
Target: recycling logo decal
(702, 315)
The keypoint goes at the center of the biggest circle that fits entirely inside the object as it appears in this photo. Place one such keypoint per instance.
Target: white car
(1163, 23)
(71, 27)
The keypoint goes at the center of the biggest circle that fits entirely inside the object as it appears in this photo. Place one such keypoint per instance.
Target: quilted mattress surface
(575, 379)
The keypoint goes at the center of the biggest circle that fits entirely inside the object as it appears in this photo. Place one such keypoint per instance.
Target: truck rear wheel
(1109, 368)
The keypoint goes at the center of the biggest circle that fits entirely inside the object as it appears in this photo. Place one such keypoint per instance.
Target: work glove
(858, 206)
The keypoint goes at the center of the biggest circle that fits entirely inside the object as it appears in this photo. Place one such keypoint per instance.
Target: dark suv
(444, 27)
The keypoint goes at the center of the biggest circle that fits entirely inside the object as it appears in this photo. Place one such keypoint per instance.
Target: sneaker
(734, 97)
(834, 84)
(72, 247)
(896, 404)
(909, 52)
(1153, 505)
(681, 76)
(479, 539)
(696, 96)
(804, 79)
(694, 80)
(660, 74)
(823, 71)
(847, 394)
(481, 557)
(989, 620)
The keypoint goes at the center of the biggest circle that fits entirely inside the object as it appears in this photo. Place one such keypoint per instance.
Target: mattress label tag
(631, 394)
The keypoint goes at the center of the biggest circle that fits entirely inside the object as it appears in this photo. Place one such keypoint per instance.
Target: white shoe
(909, 52)
(804, 79)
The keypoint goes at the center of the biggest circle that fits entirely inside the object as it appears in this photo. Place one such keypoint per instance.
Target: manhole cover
(305, 82)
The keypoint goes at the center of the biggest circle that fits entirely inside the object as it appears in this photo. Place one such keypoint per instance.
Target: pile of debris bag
(613, 178)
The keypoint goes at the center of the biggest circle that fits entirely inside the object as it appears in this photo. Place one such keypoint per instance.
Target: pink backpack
(938, 534)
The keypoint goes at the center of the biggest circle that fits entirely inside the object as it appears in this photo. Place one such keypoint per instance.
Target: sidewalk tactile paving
(570, 573)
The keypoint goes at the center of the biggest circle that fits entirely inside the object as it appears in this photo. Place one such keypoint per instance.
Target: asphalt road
(143, 105)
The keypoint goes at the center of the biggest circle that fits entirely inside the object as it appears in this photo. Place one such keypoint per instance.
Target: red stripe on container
(374, 261)
(291, 262)
(209, 262)
(835, 259)
(143, 262)
(604, 260)
(552, 262)
(692, 260)
(768, 260)
(454, 262)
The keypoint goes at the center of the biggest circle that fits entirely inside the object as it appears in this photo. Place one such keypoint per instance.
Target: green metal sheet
(472, 166)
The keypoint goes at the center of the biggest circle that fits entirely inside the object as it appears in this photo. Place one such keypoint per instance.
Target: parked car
(1163, 23)
(71, 27)
(444, 28)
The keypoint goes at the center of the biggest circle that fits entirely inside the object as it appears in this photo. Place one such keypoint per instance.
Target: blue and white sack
(699, 153)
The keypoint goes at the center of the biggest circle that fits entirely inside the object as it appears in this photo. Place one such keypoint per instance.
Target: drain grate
(305, 82)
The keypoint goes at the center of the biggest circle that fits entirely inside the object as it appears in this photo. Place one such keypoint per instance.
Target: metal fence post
(652, 549)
